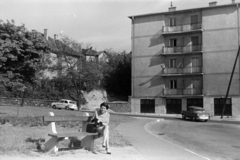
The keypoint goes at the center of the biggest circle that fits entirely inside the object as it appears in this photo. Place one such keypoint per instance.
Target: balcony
(181, 71)
(186, 91)
(182, 49)
(196, 27)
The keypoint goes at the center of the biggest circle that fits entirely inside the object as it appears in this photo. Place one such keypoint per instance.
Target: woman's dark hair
(104, 104)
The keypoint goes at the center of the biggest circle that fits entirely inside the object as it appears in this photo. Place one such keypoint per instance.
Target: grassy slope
(28, 128)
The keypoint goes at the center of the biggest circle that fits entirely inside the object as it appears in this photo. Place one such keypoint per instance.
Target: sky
(103, 24)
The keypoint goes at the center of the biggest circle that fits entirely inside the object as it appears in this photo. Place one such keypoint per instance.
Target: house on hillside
(59, 52)
(185, 57)
(94, 56)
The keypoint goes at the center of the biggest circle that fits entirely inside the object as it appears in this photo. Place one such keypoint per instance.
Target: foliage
(117, 74)
(21, 56)
(78, 75)
(24, 58)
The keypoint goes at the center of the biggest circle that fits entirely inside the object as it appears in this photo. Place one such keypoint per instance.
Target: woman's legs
(104, 130)
(105, 135)
(106, 139)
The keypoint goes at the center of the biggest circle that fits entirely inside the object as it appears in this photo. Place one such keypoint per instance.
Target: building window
(147, 106)
(172, 63)
(172, 21)
(173, 45)
(173, 42)
(173, 84)
(194, 19)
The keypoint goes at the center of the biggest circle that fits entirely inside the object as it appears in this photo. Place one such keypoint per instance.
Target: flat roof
(185, 10)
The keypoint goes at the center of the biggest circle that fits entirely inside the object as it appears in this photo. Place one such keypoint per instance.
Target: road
(154, 147)
(217, 141)
(183, 140)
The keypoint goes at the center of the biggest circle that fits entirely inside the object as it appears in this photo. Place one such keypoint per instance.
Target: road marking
(159, 120)
(196, 154)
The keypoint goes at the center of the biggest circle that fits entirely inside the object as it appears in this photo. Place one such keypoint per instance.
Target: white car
(65, 104)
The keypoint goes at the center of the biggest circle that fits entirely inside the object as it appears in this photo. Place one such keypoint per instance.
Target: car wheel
(67, 108)
(54, 107)
(183, 117)
(193, 119)
(207, 119)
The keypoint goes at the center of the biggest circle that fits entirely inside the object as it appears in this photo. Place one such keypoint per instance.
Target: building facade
(185, 57)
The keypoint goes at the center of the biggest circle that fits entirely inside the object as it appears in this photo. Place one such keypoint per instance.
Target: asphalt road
(217, 141)
(152, 146)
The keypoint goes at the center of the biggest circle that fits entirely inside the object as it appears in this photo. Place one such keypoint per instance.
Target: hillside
(96, 97)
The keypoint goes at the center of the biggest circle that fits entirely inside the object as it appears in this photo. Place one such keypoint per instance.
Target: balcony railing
(182, 28)
(186, 91)
(185, 70)
(182, 49)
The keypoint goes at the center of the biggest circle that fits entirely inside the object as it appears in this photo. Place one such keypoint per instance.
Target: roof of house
(185, 10)
(91, 52)
(58, 47)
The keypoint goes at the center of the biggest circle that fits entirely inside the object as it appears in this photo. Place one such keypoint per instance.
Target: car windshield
(61, 101)
(72, 102)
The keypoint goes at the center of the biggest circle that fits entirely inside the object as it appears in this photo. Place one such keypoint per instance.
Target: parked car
(196, 113)
(65, 104)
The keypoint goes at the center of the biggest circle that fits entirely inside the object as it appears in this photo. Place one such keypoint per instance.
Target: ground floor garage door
(147, 106)
(174, 106)
(195, 102)
(218, 107)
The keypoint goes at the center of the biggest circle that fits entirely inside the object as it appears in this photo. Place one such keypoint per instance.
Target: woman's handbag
(91, 128)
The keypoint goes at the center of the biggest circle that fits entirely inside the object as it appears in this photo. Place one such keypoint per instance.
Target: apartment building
(185, 57)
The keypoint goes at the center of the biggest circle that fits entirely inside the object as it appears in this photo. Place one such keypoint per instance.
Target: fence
(27, 102)
(117, 106)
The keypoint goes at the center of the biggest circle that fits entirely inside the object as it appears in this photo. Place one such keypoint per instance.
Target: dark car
(196, 113)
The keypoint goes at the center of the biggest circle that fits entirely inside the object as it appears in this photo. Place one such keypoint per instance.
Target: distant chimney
(211, 4)
(172, 9)
(34, 33)
(55, 37)
(233, 1)
(45, 34)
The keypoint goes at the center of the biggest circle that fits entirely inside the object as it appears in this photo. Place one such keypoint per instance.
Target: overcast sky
(102, 23)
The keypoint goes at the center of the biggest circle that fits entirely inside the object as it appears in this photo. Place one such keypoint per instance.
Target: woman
(103, 118)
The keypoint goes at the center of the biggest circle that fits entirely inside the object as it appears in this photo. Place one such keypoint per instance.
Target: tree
(117, 74)
(21, 56)
(77, 74)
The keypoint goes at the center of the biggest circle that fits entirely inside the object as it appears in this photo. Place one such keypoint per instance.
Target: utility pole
(229, 84)
(79, 74)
